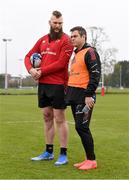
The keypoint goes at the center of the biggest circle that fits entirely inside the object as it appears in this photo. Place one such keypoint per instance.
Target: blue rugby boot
(61, 160)
(44, 156)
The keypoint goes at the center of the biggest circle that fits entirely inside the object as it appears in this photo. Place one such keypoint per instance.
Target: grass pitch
(21, 137)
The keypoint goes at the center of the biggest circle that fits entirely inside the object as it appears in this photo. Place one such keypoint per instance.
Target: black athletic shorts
(51, 95)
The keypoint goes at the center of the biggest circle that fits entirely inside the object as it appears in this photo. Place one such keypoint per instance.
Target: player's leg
(82, 123)
(49, 132)
(48, 124)
(82, 127)
(62, 126)
(61, 123)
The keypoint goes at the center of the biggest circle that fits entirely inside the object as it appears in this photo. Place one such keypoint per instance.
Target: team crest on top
(47, 49)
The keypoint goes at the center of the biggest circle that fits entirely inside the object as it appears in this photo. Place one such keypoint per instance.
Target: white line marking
(15, 122)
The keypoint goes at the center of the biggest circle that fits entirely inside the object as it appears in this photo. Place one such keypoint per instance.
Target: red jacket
(55, 59)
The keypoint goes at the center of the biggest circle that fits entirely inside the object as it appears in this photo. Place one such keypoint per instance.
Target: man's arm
(35, 49)
(93, 63)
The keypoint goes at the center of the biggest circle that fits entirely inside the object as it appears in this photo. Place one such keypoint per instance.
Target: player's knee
(59, 120)
(59, 116)
(80, 126)
(47, 116)
(77, 126)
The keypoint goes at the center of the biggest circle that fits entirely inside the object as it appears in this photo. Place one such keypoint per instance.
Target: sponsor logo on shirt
(48, 52)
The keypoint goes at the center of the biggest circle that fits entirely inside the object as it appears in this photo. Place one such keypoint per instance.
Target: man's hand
(35, 73)
(89, 101)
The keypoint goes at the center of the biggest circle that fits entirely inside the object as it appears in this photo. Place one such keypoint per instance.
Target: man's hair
(80, 30)
(57, 14)
(55, 35)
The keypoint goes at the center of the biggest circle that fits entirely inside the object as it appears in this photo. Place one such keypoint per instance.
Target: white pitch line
(70, 122)
(16, 122)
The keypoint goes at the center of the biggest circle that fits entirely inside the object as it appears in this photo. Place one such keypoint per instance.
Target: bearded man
(55, 49)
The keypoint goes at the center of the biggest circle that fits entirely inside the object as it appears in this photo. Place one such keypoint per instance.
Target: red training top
(55, 59)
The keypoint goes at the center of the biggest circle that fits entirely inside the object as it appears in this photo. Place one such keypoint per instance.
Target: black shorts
(51, 95)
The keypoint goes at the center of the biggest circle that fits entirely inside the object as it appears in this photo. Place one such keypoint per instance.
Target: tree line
(17, 82)
(120, 75)
(118, 78)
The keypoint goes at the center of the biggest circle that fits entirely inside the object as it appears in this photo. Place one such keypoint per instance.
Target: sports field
(21, 135)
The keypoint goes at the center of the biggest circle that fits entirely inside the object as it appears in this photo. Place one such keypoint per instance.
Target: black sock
(49, 148)
(63, 151)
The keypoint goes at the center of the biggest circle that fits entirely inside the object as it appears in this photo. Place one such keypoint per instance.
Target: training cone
(102, 91)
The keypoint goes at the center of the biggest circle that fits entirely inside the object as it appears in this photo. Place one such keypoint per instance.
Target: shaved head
(56, 22)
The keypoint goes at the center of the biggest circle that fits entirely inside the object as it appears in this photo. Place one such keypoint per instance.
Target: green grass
(23, 91)
(110, 90)
(33, 91)
(21, 137)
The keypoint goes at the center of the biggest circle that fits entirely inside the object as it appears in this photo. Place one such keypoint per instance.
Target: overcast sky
(25, 21)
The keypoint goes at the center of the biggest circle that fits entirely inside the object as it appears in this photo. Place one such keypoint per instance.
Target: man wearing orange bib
(84, 76)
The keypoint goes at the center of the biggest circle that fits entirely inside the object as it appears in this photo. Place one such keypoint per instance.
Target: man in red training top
(55, 49)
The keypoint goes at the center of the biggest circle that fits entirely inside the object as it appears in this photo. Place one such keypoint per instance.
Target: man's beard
(55, 35)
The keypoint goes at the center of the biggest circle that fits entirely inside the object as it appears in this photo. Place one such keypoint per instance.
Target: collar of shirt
(86, 45)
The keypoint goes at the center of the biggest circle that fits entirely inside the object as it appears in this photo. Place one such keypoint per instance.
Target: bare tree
(97, 39)
(108, 59)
